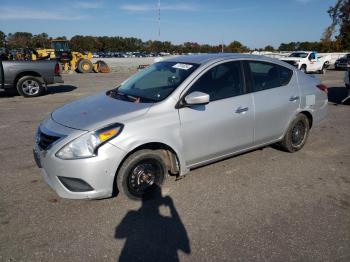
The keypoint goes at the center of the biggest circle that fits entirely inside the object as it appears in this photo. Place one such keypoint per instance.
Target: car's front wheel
(297, 134)
(141, 174)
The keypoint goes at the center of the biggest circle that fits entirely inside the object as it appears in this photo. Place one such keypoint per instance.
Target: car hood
(98, 111)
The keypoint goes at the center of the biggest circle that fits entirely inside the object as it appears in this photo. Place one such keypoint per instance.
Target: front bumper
(96, 172)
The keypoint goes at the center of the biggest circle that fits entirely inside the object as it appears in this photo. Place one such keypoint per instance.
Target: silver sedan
(173, 116)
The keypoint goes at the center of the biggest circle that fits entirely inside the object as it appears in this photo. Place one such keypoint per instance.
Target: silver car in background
(173, 116)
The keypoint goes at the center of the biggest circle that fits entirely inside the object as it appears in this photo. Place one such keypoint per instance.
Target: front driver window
(312, 56)
(222, 81)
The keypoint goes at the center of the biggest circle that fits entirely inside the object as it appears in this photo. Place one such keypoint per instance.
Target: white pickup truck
(308, 62)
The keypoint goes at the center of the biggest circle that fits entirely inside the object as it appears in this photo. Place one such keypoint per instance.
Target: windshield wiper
(131, 98)
(116, 93)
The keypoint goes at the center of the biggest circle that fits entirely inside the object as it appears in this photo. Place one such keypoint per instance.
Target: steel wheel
(143, 176)
(30, 87)
(298, 134)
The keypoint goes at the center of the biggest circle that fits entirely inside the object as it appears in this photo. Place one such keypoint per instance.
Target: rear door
(225, 124)
(276, 98)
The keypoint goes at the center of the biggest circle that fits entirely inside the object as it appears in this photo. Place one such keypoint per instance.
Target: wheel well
(171, 158)
(27, 73)
(309, 117)
(303, 65)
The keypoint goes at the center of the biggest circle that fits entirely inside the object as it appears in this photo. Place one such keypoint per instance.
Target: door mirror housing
(197, 98)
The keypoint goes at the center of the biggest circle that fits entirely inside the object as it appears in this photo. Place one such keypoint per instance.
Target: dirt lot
(265, 205)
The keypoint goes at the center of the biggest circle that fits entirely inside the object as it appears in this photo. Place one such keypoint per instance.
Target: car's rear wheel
(141, 174)
(297, 134)
(303, 68)
(30, 86)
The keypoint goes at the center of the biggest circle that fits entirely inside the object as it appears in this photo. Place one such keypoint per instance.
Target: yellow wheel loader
(70, 60)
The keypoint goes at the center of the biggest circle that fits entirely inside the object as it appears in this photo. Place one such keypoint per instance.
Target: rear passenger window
(267, 75)
(285, 75)
(222, 81)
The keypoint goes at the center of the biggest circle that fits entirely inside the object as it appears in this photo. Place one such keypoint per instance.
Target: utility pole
(222, 43)
(159, 20)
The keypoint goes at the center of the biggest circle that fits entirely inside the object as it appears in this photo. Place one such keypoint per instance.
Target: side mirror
(197, 98)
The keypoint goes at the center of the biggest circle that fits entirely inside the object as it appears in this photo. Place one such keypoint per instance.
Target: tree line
(112, 44)
(131, 44)
(339, 14)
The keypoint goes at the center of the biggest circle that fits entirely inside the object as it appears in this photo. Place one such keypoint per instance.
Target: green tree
(340, 15)
(20, 40)
(292, 46)
(41, 41)
(236, 47)
(269, 48)
(2, 39)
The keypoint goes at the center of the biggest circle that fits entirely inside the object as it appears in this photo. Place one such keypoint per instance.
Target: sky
(255, 23)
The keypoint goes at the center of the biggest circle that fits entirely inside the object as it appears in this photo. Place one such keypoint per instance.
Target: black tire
(347, 86)
(84, 66)
(141, 174)
(303, 68)
(323, 70)
(296, 135)
(30, 86)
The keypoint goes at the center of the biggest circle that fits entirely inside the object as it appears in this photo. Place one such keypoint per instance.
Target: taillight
(323, 88)
(57, 69)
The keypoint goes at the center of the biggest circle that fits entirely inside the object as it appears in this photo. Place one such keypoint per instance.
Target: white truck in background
(308, 62)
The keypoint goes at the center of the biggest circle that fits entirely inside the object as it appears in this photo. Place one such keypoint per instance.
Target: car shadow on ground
(337, 94)
(50, 91)
(60, 89)
(150, 235)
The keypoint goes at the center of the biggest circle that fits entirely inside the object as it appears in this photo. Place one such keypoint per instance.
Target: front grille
(45, 141)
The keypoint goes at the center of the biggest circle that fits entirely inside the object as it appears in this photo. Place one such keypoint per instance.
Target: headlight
(86, 145)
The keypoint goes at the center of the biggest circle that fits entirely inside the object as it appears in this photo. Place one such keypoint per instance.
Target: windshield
(60, 46)
(154, 83)
(299, 54)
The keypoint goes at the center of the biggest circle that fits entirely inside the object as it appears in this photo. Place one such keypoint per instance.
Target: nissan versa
(173, 116)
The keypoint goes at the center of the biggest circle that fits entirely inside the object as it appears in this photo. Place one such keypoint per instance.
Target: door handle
(241, 110)
(294, 98)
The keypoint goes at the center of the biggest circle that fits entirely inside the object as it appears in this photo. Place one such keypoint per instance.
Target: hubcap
(143, 176)
(298, 133)
(86, 66)
(30, 87)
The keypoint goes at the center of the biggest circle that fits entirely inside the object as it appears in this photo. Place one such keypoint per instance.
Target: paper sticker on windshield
(182, 66)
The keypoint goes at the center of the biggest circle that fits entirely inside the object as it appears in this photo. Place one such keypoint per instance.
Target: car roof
(209, 58)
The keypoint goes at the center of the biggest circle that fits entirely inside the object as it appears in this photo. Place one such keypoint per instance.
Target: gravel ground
(265, 205)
